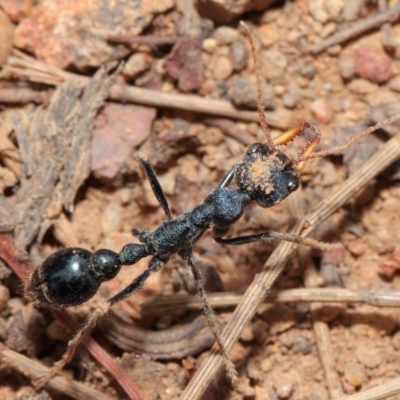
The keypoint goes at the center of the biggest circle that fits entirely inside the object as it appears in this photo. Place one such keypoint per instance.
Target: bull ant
(72, 276)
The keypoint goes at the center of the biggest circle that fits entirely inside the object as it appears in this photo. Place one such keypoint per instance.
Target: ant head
(266, 175)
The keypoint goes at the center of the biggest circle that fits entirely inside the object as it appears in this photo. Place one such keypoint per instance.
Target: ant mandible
(72, 276)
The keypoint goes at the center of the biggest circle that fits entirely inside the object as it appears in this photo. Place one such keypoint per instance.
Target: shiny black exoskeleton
(72, 276)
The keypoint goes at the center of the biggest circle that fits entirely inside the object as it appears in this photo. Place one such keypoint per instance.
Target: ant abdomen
(72, 276)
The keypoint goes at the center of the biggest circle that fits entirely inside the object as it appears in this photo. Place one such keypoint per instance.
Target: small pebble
(225, 35)
(244, 388)
(279, 90)
(292, 95)
(362, 86)
(260, 330)
(322, 111)
(273, 64)
(267, 364)
(334, 8)
(253, 369)
(346, 67)
(247, 334)
(354, 373)
(262, 392)
(330, 274)
(394, 84)
(328, 313)
(307, 71)
(357, 247)
(239, 55)
(243, 93)
(267, 34)
(293, 36)
(222, 68)
(137, 64)
(301, 345)
(318, 393)
(209, 45)
(369, 357)
(352, 9)
(224, 51)
(283, 386)
(318, 11)
(287, 339)
(328, 30)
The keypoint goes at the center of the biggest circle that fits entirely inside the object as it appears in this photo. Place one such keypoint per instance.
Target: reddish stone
(373, 65)
(322, 111)
(119, 128)
(16, 9)
(74, 32)
(185, 64)
(390, 265)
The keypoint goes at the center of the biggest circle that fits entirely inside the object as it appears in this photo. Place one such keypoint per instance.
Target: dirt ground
(70, 127)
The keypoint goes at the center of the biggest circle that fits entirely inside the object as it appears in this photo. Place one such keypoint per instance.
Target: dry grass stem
(28, 68)
(358, 29)
(33, 369)
(378, 392)
(321, 328)
(162, 305)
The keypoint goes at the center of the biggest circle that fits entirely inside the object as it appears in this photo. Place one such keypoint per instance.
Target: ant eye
(293, 185)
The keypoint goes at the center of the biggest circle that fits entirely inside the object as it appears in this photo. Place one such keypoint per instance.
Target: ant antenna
(341, 149)
(260, 102)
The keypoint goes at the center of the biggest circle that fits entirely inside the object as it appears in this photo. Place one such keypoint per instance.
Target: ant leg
(228, 178)
(155, 185)
(241, 240)
(187, 256)
(102, 309)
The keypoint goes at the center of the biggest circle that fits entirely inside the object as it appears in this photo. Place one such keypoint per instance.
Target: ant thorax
(266, 175)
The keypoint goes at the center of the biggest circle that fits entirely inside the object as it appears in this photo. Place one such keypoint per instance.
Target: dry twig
(262, 284)
(33, 369)
(27, 67)
(23, 96)
(321, 329)
(162, 305)
(357, 29)
(386, 28)
(378, 392)
(146, 40)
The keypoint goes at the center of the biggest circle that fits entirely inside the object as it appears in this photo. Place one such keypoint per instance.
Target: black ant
(265, 175)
